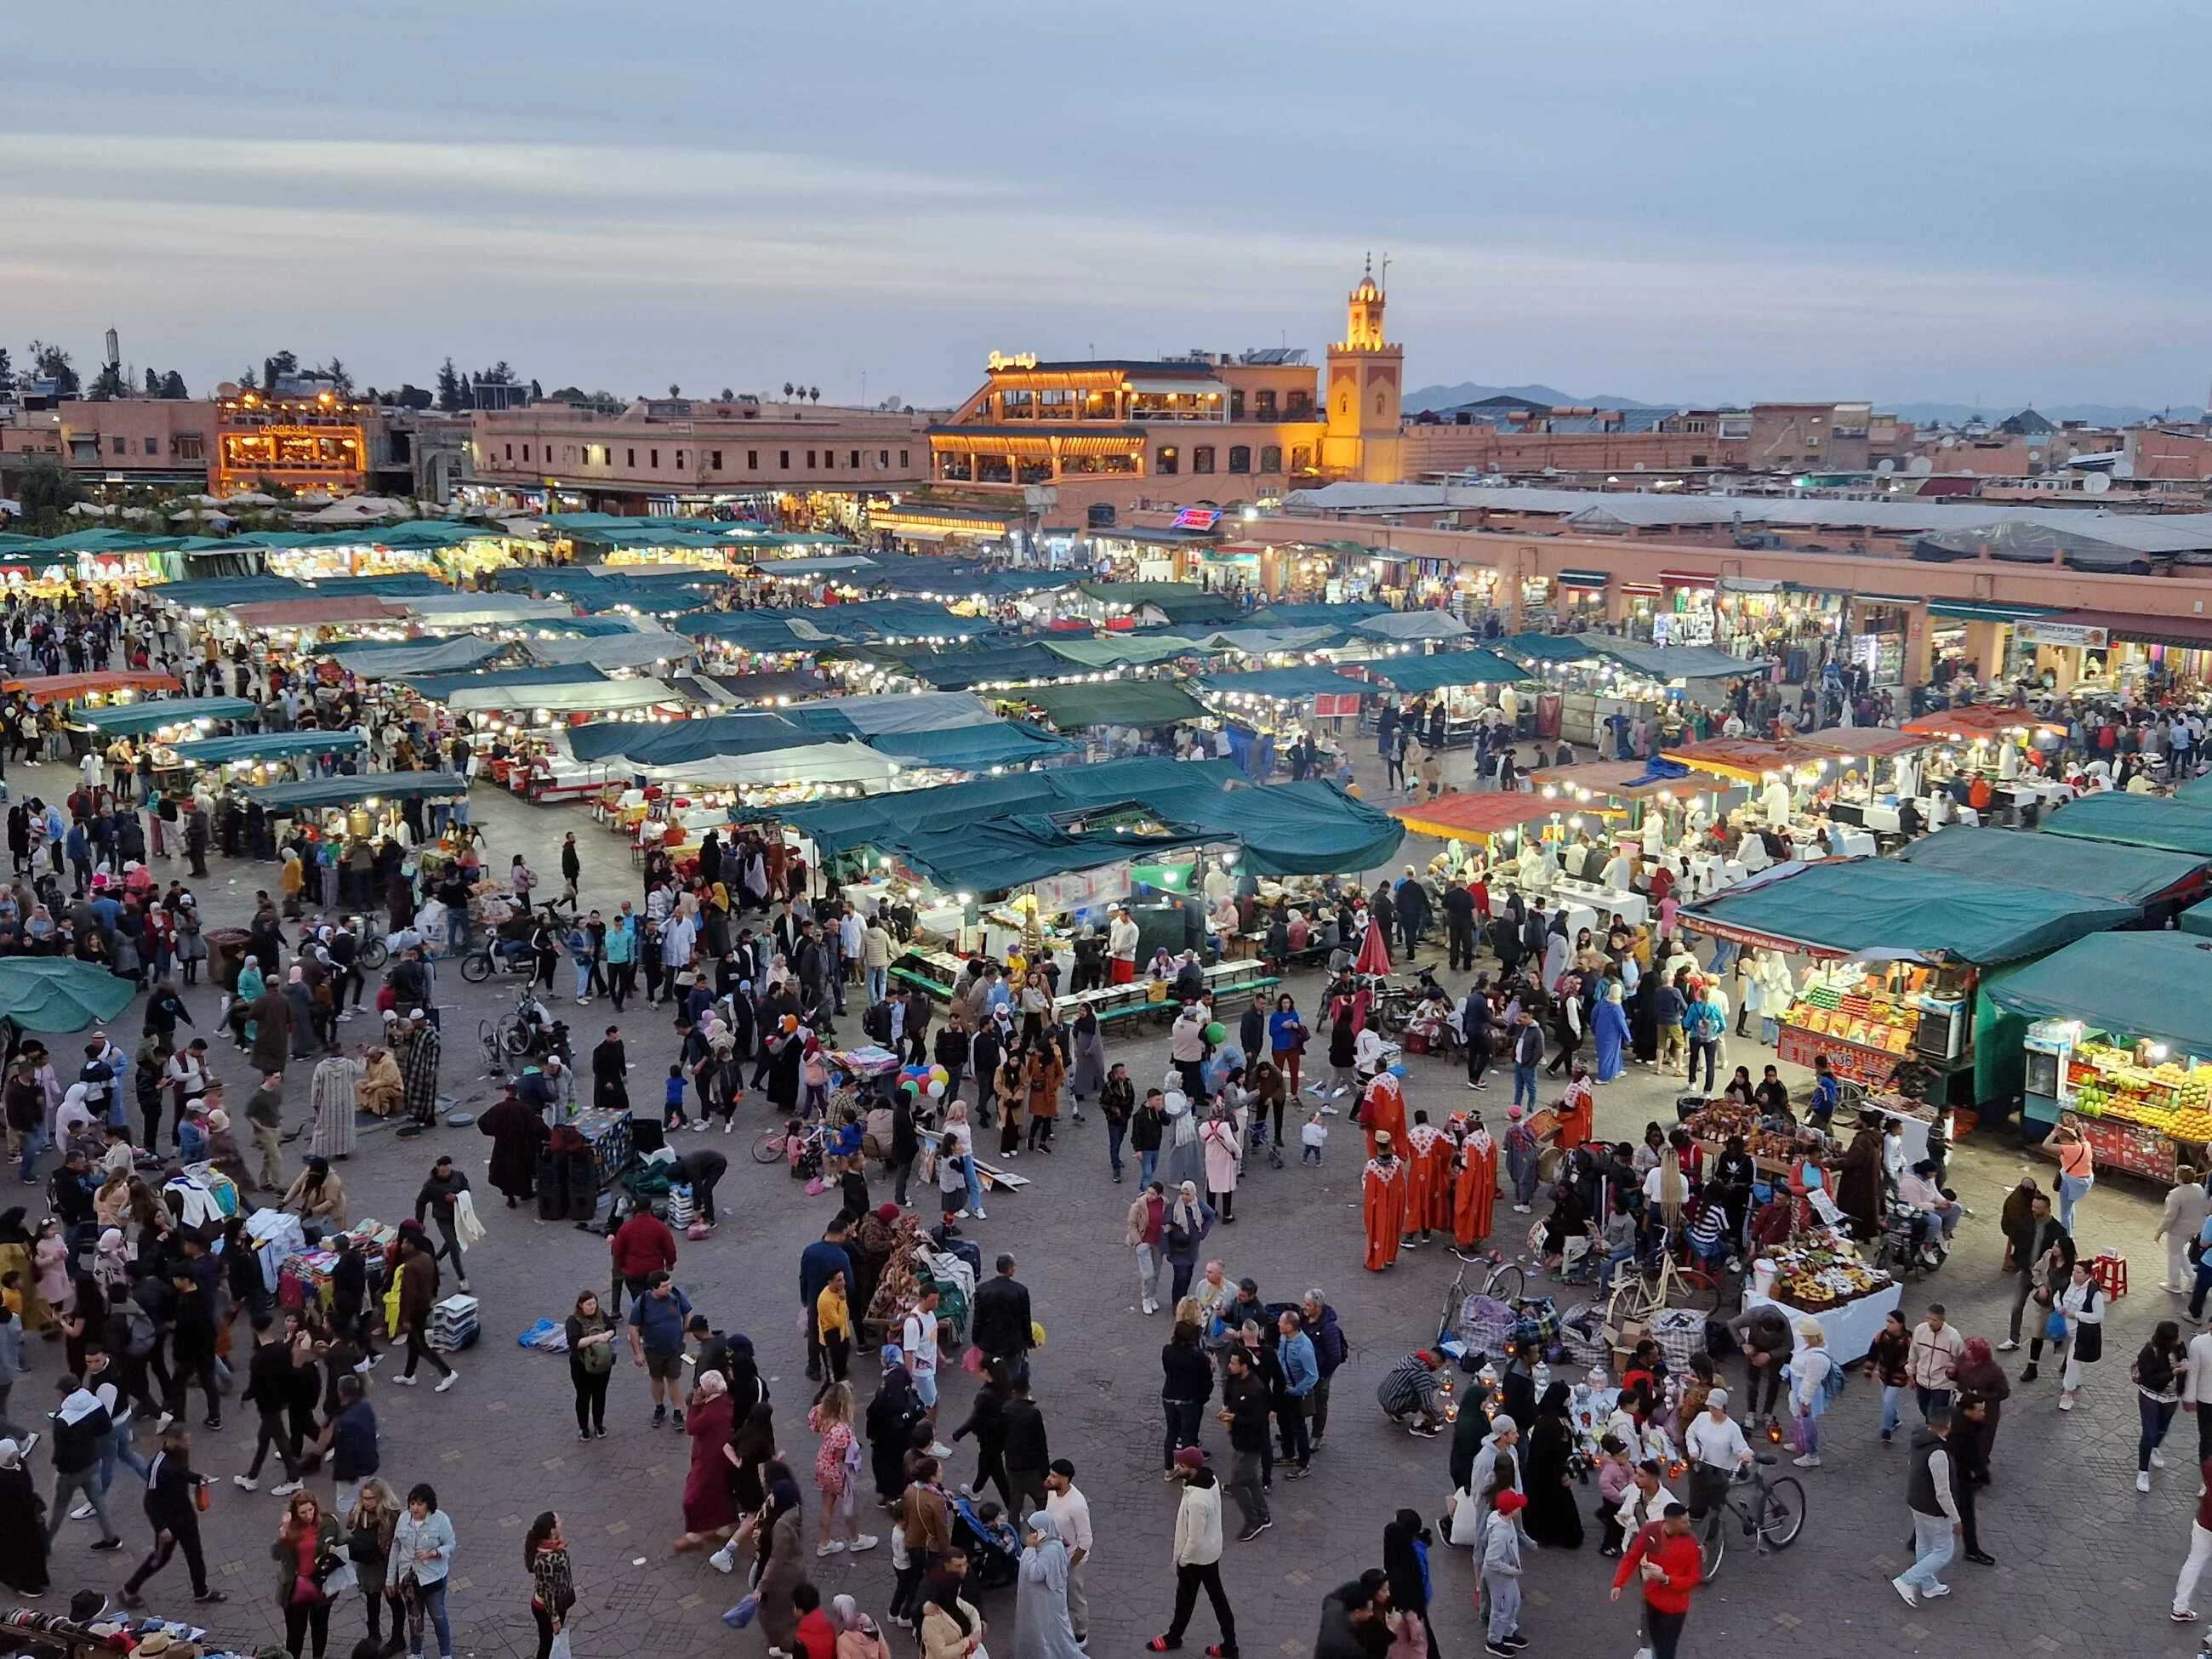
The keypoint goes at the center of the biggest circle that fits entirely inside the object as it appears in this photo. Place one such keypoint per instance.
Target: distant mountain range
(1922, 414)
(1448, 397)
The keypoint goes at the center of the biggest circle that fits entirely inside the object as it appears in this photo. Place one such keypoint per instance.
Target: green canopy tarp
(1116, 702)
(2197, 919)
(2178, 826)
(1289, 684)
(2093, 869)
(2197, 792)
(1544, 648)
(311, 794)
(955, 671)
(1137, 593)
(439, 687)
(60, 993)
(1111, 650)
(130, 719)
(1880, 907)
(268, 745)
(1418, 674)
(2138, 984)
(972, 748)
(1667, 662)
(1000, 833)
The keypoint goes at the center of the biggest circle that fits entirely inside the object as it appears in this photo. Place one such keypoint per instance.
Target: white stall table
(1848, 1328)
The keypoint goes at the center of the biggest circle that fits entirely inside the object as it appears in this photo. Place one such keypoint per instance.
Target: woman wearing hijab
(1552, 1517)
(1041, 1628)
(22, 1526)
(780, 1547)
(890, 1419)
(857, 1635)
(1405, 1559)
(1610, 1026)
(1182, 1230)
(709, 1509)
(1088, 1078)
(1183, 1165)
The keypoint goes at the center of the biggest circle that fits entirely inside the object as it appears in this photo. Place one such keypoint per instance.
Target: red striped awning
(1689, 578)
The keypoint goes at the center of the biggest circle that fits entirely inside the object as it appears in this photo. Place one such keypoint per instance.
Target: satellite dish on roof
(1884, 466)
(1920, 466)
(2034, 456)
(2096, 483)
(1950, 440)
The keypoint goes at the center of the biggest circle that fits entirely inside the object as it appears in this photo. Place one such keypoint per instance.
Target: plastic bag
(742, 1614)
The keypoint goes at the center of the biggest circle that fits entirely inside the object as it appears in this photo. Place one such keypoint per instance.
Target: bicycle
(1506, 1281)
(774, 1145)
(1772, 1519)
(1653, 1287)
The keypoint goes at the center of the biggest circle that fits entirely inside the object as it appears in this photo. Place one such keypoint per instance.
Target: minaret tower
(1366, 379)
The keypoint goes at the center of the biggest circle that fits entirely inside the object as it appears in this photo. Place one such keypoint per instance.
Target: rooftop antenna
(1386, 270)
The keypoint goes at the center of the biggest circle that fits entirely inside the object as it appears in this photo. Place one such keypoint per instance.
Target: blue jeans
(1524, 1086)
(1113, 1134)
(1607, 1268)
(2071, 1191)
(2203, 1285)
(974, 1188)
(879, 978)
(116, 1448)
(583, 978)
(432, 1609)
(1891, 1394)
(1148, 1164)
(2157, 1418)
(1933, 1545)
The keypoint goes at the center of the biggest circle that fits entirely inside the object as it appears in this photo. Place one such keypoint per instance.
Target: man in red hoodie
(640, 1247)
(1672, 1569)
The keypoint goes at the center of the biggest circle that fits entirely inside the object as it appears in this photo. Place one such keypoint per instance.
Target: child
(671, 1102)
(1312, 1138)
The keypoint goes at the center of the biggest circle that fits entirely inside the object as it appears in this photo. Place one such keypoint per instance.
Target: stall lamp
(2157, 1051)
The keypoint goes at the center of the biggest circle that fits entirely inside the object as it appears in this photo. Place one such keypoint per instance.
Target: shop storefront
(1685, 613)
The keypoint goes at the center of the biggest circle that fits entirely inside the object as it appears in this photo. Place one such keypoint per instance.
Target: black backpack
(877, 1022)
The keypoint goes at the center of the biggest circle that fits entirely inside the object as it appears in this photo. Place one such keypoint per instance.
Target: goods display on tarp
(1817, 1271)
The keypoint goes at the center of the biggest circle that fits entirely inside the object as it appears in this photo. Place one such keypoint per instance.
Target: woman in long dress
(710, 1509)
(1042, 1626)
(1610, 1026)
(1552, 1518)
(23, 1526)
(332, 1095)
(1181, 1155)
(1088, 1076)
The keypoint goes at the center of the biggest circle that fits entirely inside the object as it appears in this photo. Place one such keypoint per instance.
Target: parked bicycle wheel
(768, 1146)
(1506, 1284)
(1712, 1543)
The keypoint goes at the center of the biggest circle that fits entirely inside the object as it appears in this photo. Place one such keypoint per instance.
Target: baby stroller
(993, 1548)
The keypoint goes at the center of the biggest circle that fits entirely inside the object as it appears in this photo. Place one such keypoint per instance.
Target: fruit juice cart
(2120, 1043)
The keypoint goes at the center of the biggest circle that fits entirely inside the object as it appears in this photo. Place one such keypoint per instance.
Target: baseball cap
(1190, 1457)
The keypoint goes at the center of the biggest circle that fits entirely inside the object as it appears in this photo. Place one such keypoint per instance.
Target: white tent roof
(483, 610)
(589, 696)
(1413, 625)
(822, 762)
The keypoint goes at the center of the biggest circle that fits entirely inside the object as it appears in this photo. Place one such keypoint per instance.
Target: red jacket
(641, 1244)
(1676, 1556)
(818, 1636)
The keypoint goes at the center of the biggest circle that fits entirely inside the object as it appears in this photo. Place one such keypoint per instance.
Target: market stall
(1897, 952)
(2120, 1043)
(165, 714)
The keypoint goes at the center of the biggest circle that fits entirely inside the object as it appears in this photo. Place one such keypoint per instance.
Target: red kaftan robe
(1384, 1210)
(1477, 1190)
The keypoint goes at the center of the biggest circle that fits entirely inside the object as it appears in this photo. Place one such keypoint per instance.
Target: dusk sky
(1694, 201)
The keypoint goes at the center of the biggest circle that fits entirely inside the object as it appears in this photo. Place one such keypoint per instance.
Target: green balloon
(1215, 1032)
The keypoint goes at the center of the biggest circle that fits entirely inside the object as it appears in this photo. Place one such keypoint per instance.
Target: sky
(1699, 201)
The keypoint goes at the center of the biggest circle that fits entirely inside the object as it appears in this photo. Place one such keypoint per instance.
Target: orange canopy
(1980, 720)
(67, 688)
(1481, 816)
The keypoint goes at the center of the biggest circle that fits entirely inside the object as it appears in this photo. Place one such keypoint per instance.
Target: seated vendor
(1918, 1188)
(1771, 1096)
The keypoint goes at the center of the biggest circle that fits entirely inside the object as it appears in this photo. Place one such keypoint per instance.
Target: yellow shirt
(831, 1315)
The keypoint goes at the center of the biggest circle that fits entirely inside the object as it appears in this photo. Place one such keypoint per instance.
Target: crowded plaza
(1232, 1127)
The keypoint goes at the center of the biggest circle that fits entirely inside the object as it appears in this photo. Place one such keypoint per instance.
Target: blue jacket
(1327, 1340)
(1300, 1370)
(816, 1263)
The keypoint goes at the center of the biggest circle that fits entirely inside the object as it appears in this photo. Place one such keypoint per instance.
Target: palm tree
(815, 393)
(787, 391)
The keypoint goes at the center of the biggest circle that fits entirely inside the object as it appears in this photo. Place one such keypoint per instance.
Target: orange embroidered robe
(1477, 1189)
(1384, 1210)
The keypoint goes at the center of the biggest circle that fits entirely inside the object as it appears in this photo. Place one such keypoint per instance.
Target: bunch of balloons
(930, 1080)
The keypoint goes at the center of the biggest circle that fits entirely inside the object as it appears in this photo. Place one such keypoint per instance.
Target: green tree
(340, 377)
(787, 391)
(109, 383)
(246, 380)
(449, 387)
(814, 393)
(50, 362)
(284, 362)
(47, 492)
(674, 390)
(173, 386)
(7, 371)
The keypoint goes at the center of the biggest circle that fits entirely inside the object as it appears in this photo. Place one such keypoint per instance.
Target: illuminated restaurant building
(315, 444)
(1224, 429)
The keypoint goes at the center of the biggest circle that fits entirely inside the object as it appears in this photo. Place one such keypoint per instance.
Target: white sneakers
(446, 1382)
(1151, 1306)
(2157, 1458)
(286, 1490)
(2142, 1480)
(722, 1560)
(1810, 1461)
(833, 1547)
